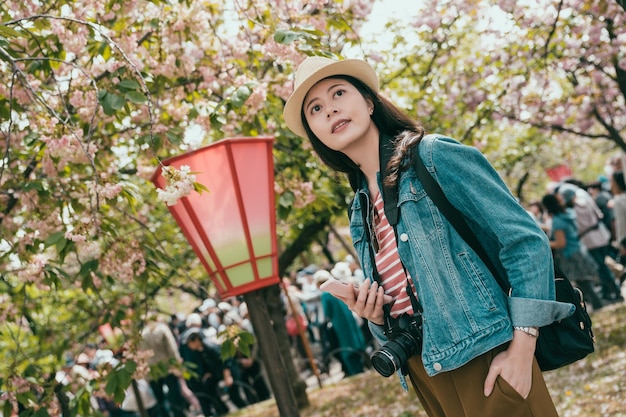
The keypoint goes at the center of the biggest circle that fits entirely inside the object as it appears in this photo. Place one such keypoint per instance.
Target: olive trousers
(459, 393)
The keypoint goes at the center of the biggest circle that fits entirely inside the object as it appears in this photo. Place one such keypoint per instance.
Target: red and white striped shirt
(392, 275)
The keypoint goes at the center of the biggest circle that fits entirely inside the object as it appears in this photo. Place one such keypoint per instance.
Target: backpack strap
(455, 217)
(390, 194)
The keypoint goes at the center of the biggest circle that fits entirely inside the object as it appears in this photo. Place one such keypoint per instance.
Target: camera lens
(389, 358)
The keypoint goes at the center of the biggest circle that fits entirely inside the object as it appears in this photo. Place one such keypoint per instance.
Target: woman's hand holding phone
(366, 301)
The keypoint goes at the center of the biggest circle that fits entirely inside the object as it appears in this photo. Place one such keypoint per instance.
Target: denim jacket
(465, 312)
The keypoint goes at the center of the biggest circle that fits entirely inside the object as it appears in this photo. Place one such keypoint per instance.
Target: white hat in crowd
(193, 320)
(341, 271)
(207, 304)
(322, 275)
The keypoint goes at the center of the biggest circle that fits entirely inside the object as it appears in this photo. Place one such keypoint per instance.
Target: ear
(370, 106)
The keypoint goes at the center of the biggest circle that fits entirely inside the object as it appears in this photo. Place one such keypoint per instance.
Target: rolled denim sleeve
(537, 313)
(514, 241)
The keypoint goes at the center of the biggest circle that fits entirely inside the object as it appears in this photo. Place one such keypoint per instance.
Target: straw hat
(314, 69)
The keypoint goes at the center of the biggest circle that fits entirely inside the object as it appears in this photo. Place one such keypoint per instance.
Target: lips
(339, 124)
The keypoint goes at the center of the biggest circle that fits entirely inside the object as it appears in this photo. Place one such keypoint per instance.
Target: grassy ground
(592, 387)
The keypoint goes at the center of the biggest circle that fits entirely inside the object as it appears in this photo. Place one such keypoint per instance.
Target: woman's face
(339, 115)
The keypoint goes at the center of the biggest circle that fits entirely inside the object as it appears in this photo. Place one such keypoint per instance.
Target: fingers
(369, 302)
(350, 299)
(490, 381)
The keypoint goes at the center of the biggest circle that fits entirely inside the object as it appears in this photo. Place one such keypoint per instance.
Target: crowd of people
(586, 224)
(187, 376)
(333, 330)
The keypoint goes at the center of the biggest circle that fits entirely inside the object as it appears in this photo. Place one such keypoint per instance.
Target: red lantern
(559, 172)
(232, 227)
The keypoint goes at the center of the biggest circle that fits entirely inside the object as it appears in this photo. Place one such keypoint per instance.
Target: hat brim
(356, 68)
(188, 333)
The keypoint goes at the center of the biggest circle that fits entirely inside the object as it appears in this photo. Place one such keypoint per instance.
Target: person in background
(130, 406)
(250, 366)
(208, 369)
(604, 200)
(593, 235)
(618, 188)
(158, 337)
(621, 259)
(341, 321)
(569, 254)
(536, 209)
(472, 353)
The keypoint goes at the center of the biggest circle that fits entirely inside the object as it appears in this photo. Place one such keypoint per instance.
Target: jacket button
(437, 366)
(404, 237)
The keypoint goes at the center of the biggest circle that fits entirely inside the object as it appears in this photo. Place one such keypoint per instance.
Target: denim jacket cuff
(537, 313)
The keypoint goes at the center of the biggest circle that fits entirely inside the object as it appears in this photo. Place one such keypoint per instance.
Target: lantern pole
(270, 353)
(303, 338)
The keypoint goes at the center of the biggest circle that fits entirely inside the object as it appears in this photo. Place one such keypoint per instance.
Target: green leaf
(54, 239)
(88, 267)
(128, 85)
(285, 36)
(245, 350)
(112, 384)
(174, 135)
(31, 138)
(84, 404)
(240, 96)
(8, 32)
(228, 349)
(199, 187)
(286, 199)
(247, 338)
(42, 412)
(63, 248)
(33, 185)
(130, 367)
(111, 103)
(26, 397)
(136, 97)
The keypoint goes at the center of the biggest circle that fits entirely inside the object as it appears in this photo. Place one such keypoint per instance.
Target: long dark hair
(552, 204)
(390, 121)
(618, 179)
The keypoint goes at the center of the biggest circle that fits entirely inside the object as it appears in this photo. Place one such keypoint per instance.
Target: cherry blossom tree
(527, 82)
(93, 96)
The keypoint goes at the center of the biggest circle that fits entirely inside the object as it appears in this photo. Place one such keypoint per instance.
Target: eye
(339, 93)
(316, 108)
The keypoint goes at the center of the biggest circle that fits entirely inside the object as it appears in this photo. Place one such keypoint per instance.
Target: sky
(373, 32)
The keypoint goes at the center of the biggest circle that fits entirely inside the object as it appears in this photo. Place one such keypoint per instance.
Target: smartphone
(340, 289)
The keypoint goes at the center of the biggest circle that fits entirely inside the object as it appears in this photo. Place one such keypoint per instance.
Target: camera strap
(390, 322)
(365, 202)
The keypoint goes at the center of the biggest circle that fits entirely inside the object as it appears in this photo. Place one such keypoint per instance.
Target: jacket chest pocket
(419, 217)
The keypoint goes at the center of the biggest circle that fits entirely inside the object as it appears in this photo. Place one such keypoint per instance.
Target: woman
(477, 353)
(618, 189)
(593, 235)
(341, 331)
(570, 254)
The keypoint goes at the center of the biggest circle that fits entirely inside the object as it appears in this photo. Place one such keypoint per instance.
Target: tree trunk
(277, 316)
(276, 365)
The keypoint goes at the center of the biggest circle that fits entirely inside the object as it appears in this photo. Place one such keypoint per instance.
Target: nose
(333, 111)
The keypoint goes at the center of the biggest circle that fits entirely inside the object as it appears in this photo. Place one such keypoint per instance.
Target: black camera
(405, 341)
